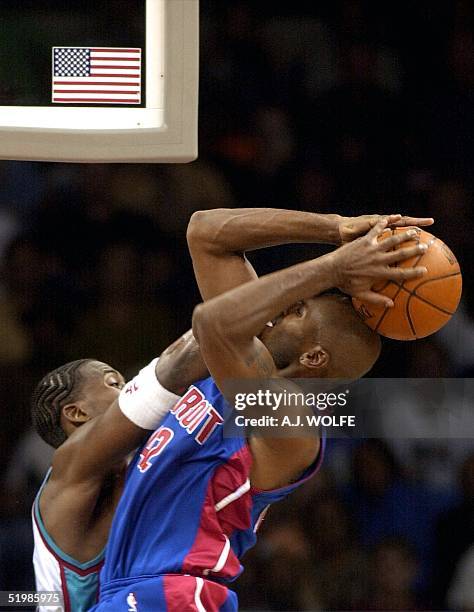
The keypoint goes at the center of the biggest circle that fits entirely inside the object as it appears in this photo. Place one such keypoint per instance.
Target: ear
(317, 357)
(75, 413)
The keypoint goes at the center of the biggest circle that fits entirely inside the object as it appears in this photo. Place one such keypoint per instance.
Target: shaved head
(353, 346)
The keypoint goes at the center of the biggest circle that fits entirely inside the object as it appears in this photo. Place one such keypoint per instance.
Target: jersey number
(155, 446)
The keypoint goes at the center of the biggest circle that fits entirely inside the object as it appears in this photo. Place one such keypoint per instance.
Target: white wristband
(144, 400)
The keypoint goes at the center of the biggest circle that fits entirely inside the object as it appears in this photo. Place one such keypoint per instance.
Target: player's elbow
(198, 230)
(202, 322)
(204, 228)
(208, 322)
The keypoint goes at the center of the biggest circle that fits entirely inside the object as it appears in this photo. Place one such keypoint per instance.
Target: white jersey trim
(197, 595)
(228, 499)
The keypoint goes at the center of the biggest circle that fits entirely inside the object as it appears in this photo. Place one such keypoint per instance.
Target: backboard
(109, 81)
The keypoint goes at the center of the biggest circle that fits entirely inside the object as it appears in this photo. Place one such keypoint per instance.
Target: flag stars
(71, 62)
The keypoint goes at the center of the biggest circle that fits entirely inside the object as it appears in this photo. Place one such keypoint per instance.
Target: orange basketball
(422, 305)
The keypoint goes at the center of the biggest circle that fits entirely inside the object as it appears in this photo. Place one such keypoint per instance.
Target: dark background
(347, 106)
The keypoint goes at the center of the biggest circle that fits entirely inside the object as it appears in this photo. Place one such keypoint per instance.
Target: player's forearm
(244, 311)
(181, 364)
(246, 229)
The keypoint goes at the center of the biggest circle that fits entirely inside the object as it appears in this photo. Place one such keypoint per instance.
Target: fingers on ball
(405, 253)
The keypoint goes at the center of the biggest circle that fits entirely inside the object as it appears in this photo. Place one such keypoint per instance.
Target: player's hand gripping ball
(422, 305)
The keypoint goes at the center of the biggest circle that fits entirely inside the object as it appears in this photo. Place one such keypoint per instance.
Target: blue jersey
(187, 507)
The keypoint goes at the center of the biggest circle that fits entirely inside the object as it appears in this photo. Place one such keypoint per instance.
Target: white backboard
(162, 129)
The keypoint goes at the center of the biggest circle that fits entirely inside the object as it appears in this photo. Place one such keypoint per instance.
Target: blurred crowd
(348, 106)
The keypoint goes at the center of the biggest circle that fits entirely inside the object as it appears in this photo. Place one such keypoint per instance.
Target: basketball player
(194, 499)
(75, 409)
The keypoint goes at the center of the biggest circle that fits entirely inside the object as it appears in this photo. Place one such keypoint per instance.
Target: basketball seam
(385, 312)
(408, 315)
(414, 295)
(421, 283)
(422, 299)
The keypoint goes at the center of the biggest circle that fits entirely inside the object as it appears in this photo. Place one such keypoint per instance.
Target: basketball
(422, 305)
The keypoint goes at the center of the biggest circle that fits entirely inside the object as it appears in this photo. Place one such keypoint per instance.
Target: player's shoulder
(70, 447)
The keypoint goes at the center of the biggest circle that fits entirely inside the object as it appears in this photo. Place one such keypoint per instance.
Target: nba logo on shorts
(132, 603)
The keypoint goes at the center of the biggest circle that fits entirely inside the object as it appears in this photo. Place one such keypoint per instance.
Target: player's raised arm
(235, 342)
(85, 411)
(103, 420)
(218, 239)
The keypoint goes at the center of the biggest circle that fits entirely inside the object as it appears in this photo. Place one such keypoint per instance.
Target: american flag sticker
(100, 75)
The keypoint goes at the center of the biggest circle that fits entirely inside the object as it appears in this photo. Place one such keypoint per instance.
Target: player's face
(101, 387)
(292, 332)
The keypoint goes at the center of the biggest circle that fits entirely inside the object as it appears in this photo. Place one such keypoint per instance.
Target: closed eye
(300, 309)
(112, 381)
